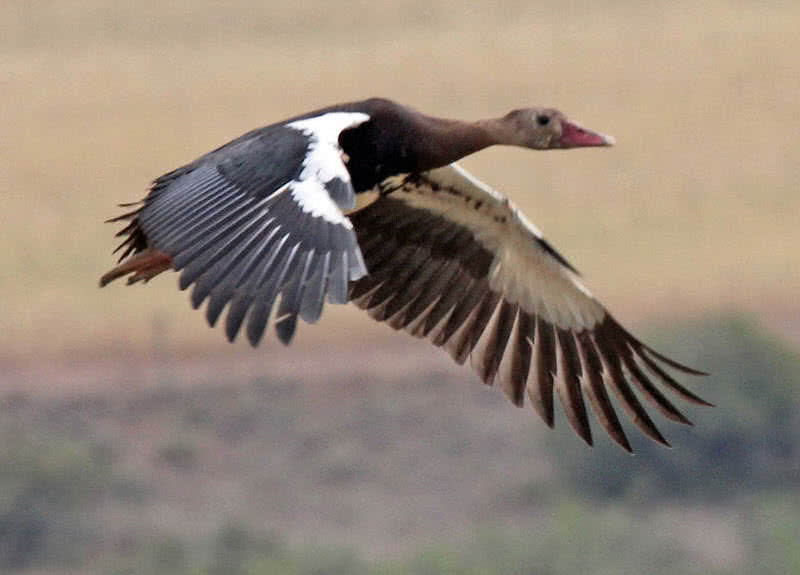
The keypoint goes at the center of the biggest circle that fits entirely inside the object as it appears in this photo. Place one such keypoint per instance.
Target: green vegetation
(48, 489)
(725, 501)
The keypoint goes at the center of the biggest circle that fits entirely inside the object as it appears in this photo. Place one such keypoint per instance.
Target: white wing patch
(323, 163)
(312, 197)
(521, 270)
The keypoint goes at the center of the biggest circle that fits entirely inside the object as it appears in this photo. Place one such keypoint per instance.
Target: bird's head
(547, 129)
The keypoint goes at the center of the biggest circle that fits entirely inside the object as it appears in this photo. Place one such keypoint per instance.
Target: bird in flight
(365, 202)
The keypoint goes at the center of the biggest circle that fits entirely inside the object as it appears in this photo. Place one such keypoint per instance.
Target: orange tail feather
(144, 266)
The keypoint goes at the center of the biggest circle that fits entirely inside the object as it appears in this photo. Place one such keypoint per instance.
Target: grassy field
(695, 209)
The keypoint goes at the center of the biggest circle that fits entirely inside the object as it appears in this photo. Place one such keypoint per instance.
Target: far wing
(454, 261)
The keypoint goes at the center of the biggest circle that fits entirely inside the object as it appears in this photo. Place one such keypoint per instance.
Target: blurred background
(134, 439)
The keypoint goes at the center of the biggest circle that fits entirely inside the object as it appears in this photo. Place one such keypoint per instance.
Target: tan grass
(696, 209)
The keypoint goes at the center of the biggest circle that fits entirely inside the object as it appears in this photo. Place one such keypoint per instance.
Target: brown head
(546, 129)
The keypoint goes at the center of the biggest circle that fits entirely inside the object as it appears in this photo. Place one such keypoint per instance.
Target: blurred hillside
(694, 210)
(421, 470)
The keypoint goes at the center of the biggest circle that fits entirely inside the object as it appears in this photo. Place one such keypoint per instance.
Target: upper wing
(452, 260)
(257, 218)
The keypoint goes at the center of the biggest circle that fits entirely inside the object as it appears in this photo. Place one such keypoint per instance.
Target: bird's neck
(402, 140)
(446, 141)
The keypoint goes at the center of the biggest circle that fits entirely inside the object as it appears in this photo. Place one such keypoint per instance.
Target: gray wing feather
(237, 233)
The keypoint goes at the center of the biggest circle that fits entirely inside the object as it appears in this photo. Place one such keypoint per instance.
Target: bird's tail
(144, 266)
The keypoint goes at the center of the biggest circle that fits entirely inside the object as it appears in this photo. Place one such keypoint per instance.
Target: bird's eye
(542, 120)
